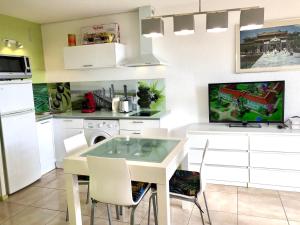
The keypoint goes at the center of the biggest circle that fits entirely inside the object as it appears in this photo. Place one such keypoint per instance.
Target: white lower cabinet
(133, 127)
(265, 158)
(46, 145)
(63, 129)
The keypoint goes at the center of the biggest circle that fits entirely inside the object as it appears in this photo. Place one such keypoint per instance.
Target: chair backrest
(110, 181)
(74, 143)
(155, 132)
(203, 168)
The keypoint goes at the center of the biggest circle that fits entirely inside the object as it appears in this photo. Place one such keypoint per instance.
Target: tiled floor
(44, 203)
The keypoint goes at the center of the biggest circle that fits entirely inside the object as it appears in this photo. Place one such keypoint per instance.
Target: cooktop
(145, 113)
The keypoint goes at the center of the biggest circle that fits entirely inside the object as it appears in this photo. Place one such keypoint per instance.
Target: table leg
(163, 204)
(73, 199)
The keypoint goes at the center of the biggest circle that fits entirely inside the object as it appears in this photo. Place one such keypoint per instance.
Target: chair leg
(88, 194)
(204, 196)
(108, 214)
(67, 214)
(155, 209)
(149, 208)
(93, 212)
(132, 215)
(201, 211)
(117, 212)
(121, 210)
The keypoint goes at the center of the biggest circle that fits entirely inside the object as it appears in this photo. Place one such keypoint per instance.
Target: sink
(145, 113)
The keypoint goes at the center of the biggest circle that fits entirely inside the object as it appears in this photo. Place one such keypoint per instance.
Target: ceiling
(47, 11)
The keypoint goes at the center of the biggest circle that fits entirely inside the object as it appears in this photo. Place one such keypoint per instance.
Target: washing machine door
(98, 137)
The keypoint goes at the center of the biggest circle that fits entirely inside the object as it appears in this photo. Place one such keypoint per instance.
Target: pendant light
(217, 22)
(153, 27)
(184, 24)
(252, 19)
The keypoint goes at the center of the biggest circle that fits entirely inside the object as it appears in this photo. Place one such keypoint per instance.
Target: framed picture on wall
(274, 47)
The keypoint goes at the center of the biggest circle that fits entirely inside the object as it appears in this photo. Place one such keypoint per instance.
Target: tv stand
(251, 125)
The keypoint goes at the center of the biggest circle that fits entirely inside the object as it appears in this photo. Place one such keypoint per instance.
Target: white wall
(194, 61)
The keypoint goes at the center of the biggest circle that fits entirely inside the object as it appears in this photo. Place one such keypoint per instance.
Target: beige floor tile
(294, 195)
(217, 218)
(29, 195)
(292, 208)
(250, 220)
(56, 200)
(60, 219)
(294, 222)
(32, 216)
(8, 209)
(260, 206)
(58, 183)
(45, 179)
(220, 201)
(221, 188)
(258, 191)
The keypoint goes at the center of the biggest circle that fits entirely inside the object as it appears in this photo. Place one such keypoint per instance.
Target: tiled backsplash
(61, 97)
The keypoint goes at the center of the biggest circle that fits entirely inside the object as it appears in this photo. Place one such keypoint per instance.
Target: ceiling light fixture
(153, 27)
(217, 22)
(10, 43)
(251, 19)
(184, 24)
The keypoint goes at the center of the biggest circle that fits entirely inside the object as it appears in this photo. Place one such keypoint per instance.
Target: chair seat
(138, 189)
(83, 178)
(185, 182)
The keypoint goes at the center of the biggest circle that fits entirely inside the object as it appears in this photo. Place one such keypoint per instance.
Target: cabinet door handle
(45, 122)
(136, 133)
(137, 121)
(68, 120)
(89, 65)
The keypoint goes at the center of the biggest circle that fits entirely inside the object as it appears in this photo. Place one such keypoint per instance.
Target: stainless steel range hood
(146, 56)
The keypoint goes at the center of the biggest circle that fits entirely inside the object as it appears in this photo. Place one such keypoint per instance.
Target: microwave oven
(14, 67)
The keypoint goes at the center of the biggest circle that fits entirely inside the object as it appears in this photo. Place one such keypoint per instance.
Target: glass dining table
(152, 160)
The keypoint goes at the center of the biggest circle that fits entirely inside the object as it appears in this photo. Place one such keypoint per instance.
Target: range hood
(146, 56)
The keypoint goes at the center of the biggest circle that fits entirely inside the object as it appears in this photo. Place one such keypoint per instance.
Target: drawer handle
(45, 122)
(87, 65)
(136, 133)
(68, 120)
(137, 122)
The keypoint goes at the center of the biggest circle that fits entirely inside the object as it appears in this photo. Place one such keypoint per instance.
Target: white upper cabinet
(93, 56)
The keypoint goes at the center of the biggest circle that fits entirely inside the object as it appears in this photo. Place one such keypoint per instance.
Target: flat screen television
(246, 102)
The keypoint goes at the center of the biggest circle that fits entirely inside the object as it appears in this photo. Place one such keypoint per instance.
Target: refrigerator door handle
(15, 113)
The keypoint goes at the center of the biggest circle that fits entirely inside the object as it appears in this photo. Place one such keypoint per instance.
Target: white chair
(73, 144)
(188, 186)
(110, 183)
(155, 132)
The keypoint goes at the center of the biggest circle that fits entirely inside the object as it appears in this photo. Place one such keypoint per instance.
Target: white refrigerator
(19, 143)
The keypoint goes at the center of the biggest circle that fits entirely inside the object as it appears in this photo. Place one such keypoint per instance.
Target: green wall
(29, 34)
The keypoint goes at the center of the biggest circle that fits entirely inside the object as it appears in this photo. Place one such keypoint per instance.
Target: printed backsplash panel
(52, 97)
(146, 94)
(41, 98)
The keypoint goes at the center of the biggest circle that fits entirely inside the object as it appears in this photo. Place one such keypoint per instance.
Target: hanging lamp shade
(252, 19)
(217, 22)
(184, 24)
(153, 27)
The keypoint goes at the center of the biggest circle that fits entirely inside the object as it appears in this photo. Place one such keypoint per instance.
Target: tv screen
(247, 102)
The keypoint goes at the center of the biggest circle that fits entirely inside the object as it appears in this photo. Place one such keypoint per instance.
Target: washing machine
(98, 130)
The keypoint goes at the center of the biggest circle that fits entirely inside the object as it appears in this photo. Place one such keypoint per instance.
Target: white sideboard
(265, 157)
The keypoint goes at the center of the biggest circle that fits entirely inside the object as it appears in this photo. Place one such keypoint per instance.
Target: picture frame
(274, 47)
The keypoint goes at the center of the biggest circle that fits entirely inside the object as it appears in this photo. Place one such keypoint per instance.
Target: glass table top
(134, 149)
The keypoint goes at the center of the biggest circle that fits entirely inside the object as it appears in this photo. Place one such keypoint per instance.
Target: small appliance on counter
(294, 123)
(125, 104)
(115, 104)
(89, 104)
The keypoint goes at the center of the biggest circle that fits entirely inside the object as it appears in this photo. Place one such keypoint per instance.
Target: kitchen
(186, 65)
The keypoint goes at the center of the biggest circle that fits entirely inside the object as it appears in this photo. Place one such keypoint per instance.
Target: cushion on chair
(185, 183)
(138, 189)
(83, 178)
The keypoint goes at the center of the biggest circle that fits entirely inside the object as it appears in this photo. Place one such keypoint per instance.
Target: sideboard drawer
(275, 160)
(219, 141)
(277, 143)
(229, 158)
(274, 177)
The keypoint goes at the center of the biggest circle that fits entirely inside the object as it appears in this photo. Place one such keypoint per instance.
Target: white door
(16, 96)
(21, 151)
(46, 145)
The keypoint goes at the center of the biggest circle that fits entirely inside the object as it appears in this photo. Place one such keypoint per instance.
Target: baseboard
(3, 198)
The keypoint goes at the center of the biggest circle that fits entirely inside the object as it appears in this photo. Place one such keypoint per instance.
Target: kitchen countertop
(101, 115)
